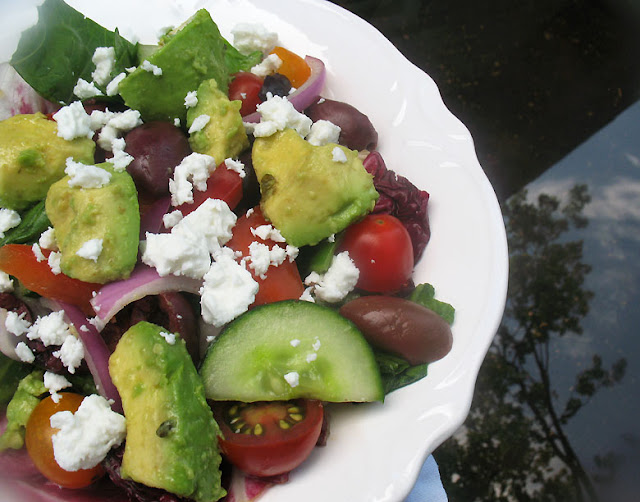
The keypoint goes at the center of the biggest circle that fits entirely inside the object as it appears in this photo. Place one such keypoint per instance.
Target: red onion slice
(143, 281)
(305, 95)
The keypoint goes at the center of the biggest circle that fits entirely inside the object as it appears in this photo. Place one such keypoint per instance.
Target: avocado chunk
(32, 157)
(306, 194)
(172, 437)
(288, 350)
(195, 53)
(109, 214)
(224, 135)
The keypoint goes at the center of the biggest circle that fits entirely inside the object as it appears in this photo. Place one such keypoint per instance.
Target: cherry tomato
(19, 261)
(293, 66)
(40, 446)
(381, 248)
(268, 438)
(282, 282)
(245, 87)
(223, 184)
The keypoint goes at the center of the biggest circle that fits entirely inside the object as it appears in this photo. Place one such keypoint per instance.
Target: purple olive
(401, 327)
(157, 148)
(357, 131)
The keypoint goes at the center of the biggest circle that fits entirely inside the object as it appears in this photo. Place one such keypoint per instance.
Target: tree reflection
(513, 445)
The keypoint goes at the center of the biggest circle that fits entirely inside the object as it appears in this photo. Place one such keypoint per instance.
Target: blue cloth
(428, 487)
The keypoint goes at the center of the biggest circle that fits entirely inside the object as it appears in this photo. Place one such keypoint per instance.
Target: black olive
(276, 84)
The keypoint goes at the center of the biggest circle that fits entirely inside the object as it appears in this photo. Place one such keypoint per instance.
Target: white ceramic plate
(375, 451)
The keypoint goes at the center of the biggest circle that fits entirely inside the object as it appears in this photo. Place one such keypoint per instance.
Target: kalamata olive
(157, 148)
(276, 84)
(357, 131)
(401, 327)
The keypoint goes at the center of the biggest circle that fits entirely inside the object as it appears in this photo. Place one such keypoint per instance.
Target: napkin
(428, 487)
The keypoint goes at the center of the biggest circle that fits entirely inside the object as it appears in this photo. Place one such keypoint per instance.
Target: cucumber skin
(248, 360)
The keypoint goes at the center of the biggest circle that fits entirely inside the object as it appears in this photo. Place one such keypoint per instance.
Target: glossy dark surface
(550, 92)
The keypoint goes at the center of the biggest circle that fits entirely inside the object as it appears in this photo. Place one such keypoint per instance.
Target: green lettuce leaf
(19, 409)
(11, 372)
(424, 294)
(396, 372)
(34, 222)
(57, 51)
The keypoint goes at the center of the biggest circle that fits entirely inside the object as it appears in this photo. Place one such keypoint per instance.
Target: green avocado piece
(224, 136)
(305, 193)
(195, 53)
(172, 437)
(288, 350)
(32, 157)
(110, 213)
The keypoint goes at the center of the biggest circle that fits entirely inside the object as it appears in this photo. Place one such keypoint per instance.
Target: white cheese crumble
(71, 353)
(323, 132)
(105, 59)
(311, 357)
(6, 283)
(337, 282)
(54, 262)
(266, 232)
(235, 165)
(292, 378)
(38, 252)
(199, 123)
(276, 114)
(16, 324)
(90, 250)
(176, 122)
(295, 342)
(73, 122)
(170, 338)
(307, 295)
(249, 37)
(120, 159)
(171, 219)
(113, 125)
(113, 87)
(194, 170)
(24, 353)
(86, 436)
(86, 176)
(50, 329)
(8, 219)
(227, 291)
(191, 99)
(269, 65)
(211, 222)
(150, 67)
(86, 90)
(48, 240)
(174, 254)
(55, 383)
(338, 155)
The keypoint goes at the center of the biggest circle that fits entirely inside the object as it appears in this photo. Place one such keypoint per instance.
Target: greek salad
(200, 255)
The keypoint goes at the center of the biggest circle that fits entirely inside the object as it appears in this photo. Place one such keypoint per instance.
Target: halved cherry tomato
(293, 66)
(40, 446)
(381, 248)
(19, 261)
(222, 184)
(245, 87)
(268, 438)
(282, 282)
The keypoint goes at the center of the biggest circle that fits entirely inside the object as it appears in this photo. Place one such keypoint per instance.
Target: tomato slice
(19, 261)
(223, 183)
(268, 438)
(245, 87)
(381, 248)
(293, 66)
(282, 282)
(40, 446)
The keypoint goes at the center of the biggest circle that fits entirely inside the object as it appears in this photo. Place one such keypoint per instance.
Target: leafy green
(34, 222)
(424, 294)
(11, 372)
(57, 51)
(19, 409)
(235, 61)
(396, 372)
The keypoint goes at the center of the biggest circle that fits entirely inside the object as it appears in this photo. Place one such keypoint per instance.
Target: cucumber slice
(291, 349)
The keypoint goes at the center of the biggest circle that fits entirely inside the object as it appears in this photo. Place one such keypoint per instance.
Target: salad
(305, 278)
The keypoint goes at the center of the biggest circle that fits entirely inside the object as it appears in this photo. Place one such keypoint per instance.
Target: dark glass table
(550, 92)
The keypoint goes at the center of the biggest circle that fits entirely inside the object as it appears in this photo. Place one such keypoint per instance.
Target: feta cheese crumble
(86, 436)
(55, 383)
(50, 329)
(150, 67)
(177, 255)
(199, 123)
(54, 262)
(295, 342)
(86, 176)
(73, 122)
(6, 283)
(337, 282)
(48, 240)
(323, 132)
(113, 87)
(194, 170)
(211, 222)
(170, 338)
(90, 250)
(235, 165)
(292, 378)
(71, 353)
(86, 90)
(338, 155)
(249, 37)
(16, 324)
(120, 159)
(191, 99)
(276, 114)
(8, 219)
(105, 59)
(24, 353)
(38, 252)
(269, 65)
(171, 219)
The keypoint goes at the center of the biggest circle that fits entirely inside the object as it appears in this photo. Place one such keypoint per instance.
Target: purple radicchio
(402, 199)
